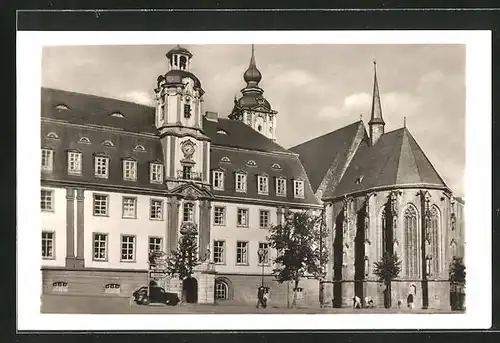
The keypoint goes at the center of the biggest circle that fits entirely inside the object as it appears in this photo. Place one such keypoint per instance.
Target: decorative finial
(404, 122)
(361, 116)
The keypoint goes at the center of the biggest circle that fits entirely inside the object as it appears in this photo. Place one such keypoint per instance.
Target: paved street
(109, 305)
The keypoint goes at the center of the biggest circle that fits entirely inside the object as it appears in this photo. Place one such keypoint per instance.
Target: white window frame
(281, 191)
(129, 203)
(102, 240)
(268, 218)
(191, 214)
(267, 256)
(218, 180)
(48, 245)
(48, 200)
(156, 173)
(241, 184)
(49, 159)
(296, 188)
(247, 212)
(129, 170)
(101, 167)
(155, 243)
(221, 254)
(262, 184)
(243, 250)
(219, 215)
(105, 199)
(128, 243)
(155, 211)
(74, 162)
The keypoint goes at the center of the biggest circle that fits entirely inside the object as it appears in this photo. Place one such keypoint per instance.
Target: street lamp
(262, 253)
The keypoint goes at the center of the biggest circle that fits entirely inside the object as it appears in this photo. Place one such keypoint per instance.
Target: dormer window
(156, 173)
(140, 148)
(129, 170)
(84, 140)
(101, 166)
(221, 132)
(281, 186)
(74, 162)
(262, 184)
(62, 107)
(359, 180)
(47, 160)
(117, 115)
(276, 166)
(225, 159)
(241, 182)
(108, 143)
(218, 180)
(52, 135)
(298, 188)
(251, 163)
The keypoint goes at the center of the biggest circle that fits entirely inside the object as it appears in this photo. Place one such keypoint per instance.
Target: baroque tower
(252, 108)
(376, 122)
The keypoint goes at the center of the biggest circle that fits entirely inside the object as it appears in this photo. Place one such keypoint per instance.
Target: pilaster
(80, 225)
(70, 227)
(172, 224)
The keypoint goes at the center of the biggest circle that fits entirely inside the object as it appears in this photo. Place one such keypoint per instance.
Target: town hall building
(120, 180)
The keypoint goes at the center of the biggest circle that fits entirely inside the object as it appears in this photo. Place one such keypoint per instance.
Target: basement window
(112, 288)
(60, 286)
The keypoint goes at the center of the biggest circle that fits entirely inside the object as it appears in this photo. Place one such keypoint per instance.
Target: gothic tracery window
(411, 242)
(434, 236)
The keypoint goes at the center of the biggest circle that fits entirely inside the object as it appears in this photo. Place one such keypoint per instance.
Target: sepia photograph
(257, 179)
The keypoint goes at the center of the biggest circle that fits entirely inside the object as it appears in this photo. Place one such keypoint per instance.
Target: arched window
(383, 218)
(182, 62)
(221, 290)
(435, 246)
(411, 242)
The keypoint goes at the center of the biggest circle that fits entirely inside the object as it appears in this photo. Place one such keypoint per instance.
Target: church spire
(376, 122)
(252, 76)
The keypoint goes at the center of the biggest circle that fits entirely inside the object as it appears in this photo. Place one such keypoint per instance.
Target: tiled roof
(239, 135)
(91, 109)
(396, 159)
(124, 146)
(291, 168)
(318, 154)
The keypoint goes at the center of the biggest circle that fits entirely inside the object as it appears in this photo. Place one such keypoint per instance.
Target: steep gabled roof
(395, 160)
(318, 154)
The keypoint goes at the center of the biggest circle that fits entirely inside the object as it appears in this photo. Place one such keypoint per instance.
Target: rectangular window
(242, 217)
(219, 252)
(129, 206)
(187, 172)
(188, 212)
(129, 170)
(298, 188)
(263, 253)
(100, 205)
(155, 244)
(156, 173)
(47, 200)
(219, 215)
(241, 252)
(47, 159)
(74, 162)
(281, 187)
(48, 244)
(263, 187)
(128, 248)
(218, 180)
(101, 166)
(187, 111)
(263, 218)
(241, 183)
(100, 247)
(156, 209)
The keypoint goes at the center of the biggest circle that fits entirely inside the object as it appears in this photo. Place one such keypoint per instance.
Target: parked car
(157, 295)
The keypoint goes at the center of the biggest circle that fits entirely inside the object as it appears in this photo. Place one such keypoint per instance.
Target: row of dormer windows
(101, 166)
(240, 181)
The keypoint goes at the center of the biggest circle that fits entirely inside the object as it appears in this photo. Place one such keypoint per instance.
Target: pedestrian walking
(260, 297)
(409, 300)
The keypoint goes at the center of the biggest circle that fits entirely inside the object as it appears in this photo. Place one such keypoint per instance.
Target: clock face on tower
(188, 149)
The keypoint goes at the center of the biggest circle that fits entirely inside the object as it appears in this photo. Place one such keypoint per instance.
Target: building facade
(382, 195)
(121, 180)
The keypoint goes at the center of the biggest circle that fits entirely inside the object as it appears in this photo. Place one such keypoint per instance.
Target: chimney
(212, 116)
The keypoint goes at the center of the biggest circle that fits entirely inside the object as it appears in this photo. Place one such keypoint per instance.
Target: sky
(315, 88)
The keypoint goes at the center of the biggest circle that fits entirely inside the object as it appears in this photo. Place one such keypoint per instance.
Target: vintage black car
(157, 295)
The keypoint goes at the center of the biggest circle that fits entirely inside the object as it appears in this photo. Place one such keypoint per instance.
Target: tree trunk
(294, 303)
(387, 295)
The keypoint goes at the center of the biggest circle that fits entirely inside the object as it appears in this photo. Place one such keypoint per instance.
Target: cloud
(139, 97)
(329, 112)
(358, 101)
(296, 79)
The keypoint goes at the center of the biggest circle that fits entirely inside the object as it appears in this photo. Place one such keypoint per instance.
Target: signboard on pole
(157, 274)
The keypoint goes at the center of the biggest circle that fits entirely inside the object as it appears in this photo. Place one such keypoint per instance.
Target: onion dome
(252, 75)
(180, 51)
